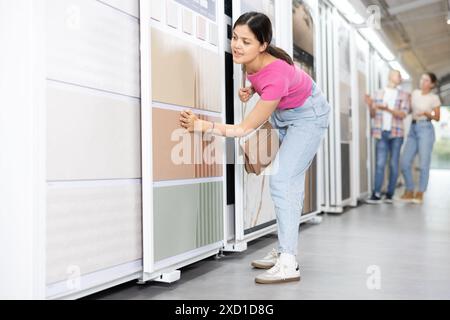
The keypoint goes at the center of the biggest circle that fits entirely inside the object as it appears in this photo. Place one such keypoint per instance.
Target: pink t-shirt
(280, 80)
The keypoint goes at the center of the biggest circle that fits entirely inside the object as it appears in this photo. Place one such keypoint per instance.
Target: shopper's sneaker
(267, 262)
(388, 199)
(374, 199)
(408, 196)
(286, 269)
(418, 198)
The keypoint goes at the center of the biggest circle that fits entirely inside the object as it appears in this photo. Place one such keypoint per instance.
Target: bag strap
(243, 83)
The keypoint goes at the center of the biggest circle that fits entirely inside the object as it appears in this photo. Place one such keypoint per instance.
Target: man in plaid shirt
(388, 110)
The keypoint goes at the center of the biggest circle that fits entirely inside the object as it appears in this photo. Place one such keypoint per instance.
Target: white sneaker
(286, 269)
(267, 262)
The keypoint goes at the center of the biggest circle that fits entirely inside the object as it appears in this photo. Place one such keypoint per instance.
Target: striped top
(402, 103)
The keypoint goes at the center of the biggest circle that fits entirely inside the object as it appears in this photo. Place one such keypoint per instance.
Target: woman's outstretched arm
(260, 113)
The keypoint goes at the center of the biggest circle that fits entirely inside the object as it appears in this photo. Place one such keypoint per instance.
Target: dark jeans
(385, 146)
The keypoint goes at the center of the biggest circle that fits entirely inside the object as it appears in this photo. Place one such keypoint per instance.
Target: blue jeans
(385, 146)
(301, 131)
(420, 141)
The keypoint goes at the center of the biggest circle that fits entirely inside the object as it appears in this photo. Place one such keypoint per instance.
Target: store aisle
(409, 245)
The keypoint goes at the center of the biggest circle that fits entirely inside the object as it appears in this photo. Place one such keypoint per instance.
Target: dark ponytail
(261, 27)
(280, 54)
(432, 76)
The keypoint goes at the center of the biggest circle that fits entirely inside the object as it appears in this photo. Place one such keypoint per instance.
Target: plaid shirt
(401, 104)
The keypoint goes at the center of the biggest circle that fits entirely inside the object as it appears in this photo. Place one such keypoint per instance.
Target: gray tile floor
(408, 244)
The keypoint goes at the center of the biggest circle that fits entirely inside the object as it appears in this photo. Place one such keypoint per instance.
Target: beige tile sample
(173, 70)
(258, 205)
(201, 28)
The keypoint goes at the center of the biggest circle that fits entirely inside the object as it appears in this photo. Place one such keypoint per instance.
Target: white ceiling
(419, 34)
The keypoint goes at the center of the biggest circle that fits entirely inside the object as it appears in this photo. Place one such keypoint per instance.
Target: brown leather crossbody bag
(260, 147)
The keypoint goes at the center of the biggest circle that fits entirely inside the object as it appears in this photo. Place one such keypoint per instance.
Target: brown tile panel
(200, 162)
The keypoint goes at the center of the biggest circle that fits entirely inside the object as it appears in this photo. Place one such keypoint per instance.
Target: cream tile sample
(173, 70)
(185, 74)
(208, 81)
(92, 228)
(258, 204)
(94, 45)
(91, 135)
(188, 24)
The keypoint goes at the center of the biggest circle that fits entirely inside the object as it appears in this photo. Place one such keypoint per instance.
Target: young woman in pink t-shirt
(297, 108)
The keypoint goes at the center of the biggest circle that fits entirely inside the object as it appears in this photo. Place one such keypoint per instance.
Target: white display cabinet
(76, 225)
(182, 67)
(361, 117)
(341, 150)
(77, 218)
(351, 69)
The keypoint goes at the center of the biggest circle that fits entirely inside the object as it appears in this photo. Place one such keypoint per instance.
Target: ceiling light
(377, 43)
(348, 11)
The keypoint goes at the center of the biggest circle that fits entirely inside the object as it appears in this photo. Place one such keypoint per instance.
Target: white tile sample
(172, 14)
(91, 134)
(91, 229)
(93, 45)
(213, 34)
(128, 6)
(156, 9)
